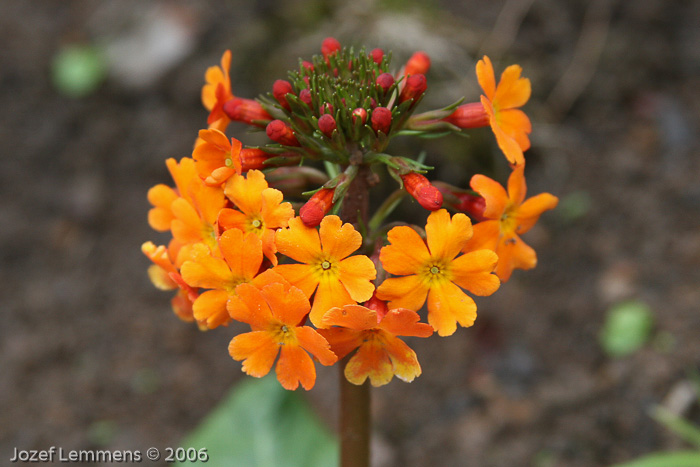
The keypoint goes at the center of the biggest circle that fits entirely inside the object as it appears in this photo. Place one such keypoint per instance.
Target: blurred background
(94, 96)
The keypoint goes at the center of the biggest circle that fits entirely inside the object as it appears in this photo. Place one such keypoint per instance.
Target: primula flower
(242, 257)
(217, 157)
(341, 279)
(381, 354)
(508, 216)
(275, 313)
(217, 91)
(510, 125)
(162, 196)
(432, 270)
(261, 209)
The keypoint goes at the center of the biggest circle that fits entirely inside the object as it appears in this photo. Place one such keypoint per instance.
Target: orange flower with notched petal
(275, 313)
(508, 216)
(217, 91)
(510, 125)
(242, 257)
(341, 279)
(261, 209)
(217, 158)
(432, 270)
(380, 354)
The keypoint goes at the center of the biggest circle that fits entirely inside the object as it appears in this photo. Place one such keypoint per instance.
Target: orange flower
(510, 125)
(162, 196)
(434, 271)
(217, 158)
(275, 313)
(242, 257)
(508, 217)
(381, 354)
(261, 209)
(217, 90)
(341, 280)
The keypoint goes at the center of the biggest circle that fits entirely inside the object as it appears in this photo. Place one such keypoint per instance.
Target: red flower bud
(330, 46)
(469, 116)
(253, 159)
(247, 111)
(280, 89)
(379, 306)
(381, 119)
(359, 113)
(377, 56)
(327, 124)
(414, 88)
(385, 81)
(279, 132)
(326, 109)
(422, 191)
(472, 205)
(419, 63)
(305, 97)
(317, 207)
(308, 66)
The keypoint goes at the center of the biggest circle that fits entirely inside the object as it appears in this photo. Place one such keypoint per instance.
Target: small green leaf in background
(78, 70)
(666, 459)
(627, 328)
(574, 206)
(260, 424)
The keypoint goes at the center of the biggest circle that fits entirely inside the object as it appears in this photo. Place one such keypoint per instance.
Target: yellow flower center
(508, 221)
(434, 272)
(326, 265)
(325, 269)
(256, 223)
(284, 335)
(229, 162)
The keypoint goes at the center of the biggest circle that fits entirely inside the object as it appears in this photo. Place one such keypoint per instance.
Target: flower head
(431, 270)
(217, 91)
(501, 102)
(381, 354)
(217, 158)
(275, 313)
(508, 216)
(327, 267)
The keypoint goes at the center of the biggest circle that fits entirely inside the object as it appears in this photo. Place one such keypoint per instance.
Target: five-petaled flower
(338, 278)
(380, 354)
(432, 270)
(217, 158)
(501, 102)
(276, 312)
(508, 216)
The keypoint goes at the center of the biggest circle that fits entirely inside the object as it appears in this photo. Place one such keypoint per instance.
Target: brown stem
(355, 414)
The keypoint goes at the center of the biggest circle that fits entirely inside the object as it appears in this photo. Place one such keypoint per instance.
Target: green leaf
(77, 70)
(261, 424)
(666, 459)
(627, 328)
(678, 425)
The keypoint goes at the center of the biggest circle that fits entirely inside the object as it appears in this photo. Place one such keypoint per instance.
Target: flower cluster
(317, 280)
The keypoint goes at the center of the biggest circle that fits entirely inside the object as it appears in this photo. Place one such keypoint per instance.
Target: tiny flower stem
(331, 169)
(385, 209)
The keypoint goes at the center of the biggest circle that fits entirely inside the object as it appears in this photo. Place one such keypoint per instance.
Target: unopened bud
(327, 124)
(471, 204)
(305, 97)
(385, 81)
(280, 89)
(326, 109)
(247, 111)
(359, 113)
(281, 133)
(470, 115)
(422, 191)
(313, 212)
(308, 66)
(419, 63)
(330, 46)
(253, 159)
(414, 88)
(381, 120)
(377, 56)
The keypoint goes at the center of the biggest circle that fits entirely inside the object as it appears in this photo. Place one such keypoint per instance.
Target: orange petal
(509, 146)
(288, 304)
(448, 305)
(342, 340)
(486, 236)
(246, 192)
(517, 188)
(250, 307)
(407, 252)
(211, 307)
(355, 317)
(299, 275)
(295, 366)
(529, 212)
(331, 293)
(512, 91)
(232, 219)
(161, 196)
(513, 253)
(516, 125)
(299, 242)
(356, 274)
(493, 193)
(339, 240)
(187, 225)
(275, 213)
(486, 77)
(258, 349)
(446, 237)
(370, 361)
(243, 253)
(208, 201)
(184, 174)
(472, 271)
(314, 343)
(404, 322)
(269, 248)
(403, 292)
(206, 271)
(403, 359)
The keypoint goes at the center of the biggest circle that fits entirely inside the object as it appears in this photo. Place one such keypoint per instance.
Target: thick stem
(355, 417)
